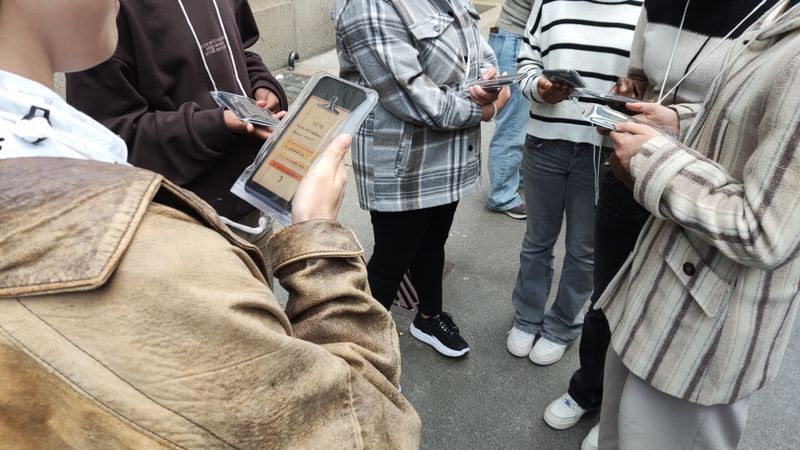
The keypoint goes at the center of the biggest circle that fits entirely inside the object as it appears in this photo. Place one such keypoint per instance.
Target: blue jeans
(505, 149)
(559, 179)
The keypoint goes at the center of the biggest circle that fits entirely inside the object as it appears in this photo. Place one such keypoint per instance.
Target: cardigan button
(436, 28)
(451, 13)
(689, 269)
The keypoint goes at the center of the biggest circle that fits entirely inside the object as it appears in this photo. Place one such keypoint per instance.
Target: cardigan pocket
(709, 290)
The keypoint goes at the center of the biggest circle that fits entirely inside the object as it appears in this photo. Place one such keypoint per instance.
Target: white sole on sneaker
(515, 215)
(545, 361)
(435, 343)
(558, 423)
(519, 353)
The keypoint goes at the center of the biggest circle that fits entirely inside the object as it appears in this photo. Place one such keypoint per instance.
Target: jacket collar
(67, 223)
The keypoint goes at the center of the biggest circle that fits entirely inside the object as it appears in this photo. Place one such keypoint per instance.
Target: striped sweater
(590, 36)
(703, 308)
(707, 22)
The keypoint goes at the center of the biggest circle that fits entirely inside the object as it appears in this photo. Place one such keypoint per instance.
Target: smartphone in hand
(569, 77)
(246, 109)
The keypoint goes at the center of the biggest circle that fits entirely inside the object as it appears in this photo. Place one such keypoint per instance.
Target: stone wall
(303, 26)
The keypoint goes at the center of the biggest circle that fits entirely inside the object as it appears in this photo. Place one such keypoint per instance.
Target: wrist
(212, 130)
(534, 92)
(489, 112)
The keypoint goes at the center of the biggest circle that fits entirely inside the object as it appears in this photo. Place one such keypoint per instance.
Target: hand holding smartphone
(569, 77)
(573, 79)
(246, 109)
(496, 83)
(605, 117)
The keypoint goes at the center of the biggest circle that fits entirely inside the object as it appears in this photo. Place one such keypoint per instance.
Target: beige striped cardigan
(703, 308)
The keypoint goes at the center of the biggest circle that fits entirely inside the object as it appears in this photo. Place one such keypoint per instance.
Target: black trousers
(618, 221)
(410, 240)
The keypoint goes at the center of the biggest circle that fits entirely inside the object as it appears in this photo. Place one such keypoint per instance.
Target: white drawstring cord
(199, 46)
(262, 225)
(202, 53)
(721, 41)
(230, 50)
(672, 55)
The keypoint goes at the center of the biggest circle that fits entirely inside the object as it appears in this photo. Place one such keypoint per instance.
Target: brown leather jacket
(131, 318)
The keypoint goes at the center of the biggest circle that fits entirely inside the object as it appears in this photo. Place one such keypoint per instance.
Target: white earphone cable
(672, 55)
(721, 41)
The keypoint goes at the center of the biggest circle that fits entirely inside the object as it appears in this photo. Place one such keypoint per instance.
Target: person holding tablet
(131, 317)
(155, 93)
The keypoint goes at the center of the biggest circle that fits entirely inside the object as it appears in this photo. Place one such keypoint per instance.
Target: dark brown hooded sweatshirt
(154, 92)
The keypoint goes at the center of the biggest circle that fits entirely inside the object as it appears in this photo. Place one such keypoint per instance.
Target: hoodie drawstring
(202, 53)
(230, 50)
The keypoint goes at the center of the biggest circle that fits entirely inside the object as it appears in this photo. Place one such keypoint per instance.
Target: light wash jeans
(559, 179)
(505, 149)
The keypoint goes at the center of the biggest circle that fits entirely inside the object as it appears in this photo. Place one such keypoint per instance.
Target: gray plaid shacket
(420, 147)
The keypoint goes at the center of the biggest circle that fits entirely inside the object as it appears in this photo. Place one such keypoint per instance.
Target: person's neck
(22, 54)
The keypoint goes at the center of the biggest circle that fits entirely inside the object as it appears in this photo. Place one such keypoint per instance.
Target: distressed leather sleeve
(320, 263)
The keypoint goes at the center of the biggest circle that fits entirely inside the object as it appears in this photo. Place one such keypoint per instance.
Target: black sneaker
(441, 333)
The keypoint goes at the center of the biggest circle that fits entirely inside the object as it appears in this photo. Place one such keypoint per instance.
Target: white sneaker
(519, 343)
(563, 413)
(546, 352)
(590, 442)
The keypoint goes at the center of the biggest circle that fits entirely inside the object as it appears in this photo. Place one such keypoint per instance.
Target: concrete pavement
(491, 399)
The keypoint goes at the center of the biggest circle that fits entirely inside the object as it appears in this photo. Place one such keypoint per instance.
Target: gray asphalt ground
(490, 399)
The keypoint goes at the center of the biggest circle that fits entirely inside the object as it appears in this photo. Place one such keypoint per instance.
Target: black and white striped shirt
(590, 36)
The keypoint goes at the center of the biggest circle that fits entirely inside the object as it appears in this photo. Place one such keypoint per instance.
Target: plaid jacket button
(689, 269)
(470, 148)
(436, 28)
